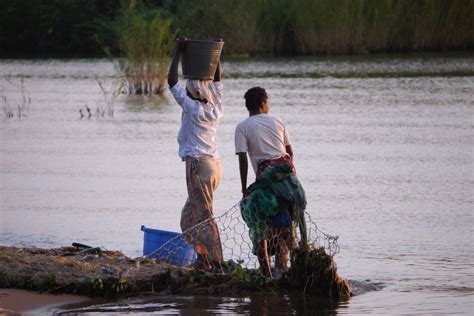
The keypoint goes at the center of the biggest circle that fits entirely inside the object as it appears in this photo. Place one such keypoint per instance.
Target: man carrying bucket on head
(202, 112)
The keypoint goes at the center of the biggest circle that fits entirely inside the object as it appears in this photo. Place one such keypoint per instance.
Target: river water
(383, 147)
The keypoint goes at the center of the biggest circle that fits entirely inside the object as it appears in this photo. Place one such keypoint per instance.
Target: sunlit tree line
(72, 28)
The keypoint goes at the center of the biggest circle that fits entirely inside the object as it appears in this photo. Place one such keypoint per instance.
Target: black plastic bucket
(200, 59)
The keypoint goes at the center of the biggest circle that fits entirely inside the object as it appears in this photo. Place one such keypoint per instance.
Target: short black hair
(254, 98)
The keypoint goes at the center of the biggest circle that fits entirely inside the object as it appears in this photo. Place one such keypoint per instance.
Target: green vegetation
(331, 26)
(146, 39)
(276, 27)
(51, 280)
(45, 28)
(314, 272)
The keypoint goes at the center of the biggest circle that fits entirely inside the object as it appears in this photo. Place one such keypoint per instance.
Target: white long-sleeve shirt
(199, 121)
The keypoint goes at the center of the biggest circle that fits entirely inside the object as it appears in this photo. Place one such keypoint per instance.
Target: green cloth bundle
(277, 189)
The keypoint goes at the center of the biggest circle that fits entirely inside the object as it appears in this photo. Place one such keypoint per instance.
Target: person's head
(201, 90)
(256, 100)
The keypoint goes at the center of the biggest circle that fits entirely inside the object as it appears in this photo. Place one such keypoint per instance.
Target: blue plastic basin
(166, 246)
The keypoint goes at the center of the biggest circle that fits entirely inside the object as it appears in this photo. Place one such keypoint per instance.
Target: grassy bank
(250, 27)
(110, 274)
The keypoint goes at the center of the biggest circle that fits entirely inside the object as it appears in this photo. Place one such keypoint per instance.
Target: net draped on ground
(235, 240)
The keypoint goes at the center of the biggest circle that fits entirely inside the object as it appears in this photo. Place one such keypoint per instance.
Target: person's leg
(264, 258)
(282, 252)
(281, 224)
(215, 180)
(203, 177)
(189, 219)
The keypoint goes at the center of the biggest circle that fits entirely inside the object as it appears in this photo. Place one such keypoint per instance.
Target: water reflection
(147, 103)
(258, 304)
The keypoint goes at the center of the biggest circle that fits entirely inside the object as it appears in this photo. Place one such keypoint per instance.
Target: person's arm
(289, 150)
(243, 168)
(217, 74)
(173, 71)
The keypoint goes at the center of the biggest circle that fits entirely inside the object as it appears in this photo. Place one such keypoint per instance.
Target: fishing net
(236, 243)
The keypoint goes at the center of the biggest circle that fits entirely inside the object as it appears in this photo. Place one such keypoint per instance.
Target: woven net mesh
(235, 240)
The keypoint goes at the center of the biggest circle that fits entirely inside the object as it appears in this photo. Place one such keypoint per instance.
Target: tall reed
(146, 41)
(233, 20)
(330, 26)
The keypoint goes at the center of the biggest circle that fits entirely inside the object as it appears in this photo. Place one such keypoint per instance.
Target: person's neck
(255, 113)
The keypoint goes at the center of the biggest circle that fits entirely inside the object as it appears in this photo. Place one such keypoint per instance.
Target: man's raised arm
(173, 71)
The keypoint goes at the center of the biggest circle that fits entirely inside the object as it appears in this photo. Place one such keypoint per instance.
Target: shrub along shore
(94, 28)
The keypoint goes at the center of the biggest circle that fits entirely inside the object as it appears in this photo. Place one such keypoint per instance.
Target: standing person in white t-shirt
(276, 199)
(202, 112)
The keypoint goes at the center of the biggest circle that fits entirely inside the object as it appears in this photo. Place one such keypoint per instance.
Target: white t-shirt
(263, 137)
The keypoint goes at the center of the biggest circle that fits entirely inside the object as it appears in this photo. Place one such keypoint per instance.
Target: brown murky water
(383, 147)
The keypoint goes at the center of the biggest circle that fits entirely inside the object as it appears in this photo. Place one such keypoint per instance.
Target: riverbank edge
(110, 275)
(107, 274)
(459, 52)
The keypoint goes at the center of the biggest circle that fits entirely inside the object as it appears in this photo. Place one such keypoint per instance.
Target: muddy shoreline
(23, 302)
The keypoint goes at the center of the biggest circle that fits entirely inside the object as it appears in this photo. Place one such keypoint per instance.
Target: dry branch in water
(110, 95)
(23, 106)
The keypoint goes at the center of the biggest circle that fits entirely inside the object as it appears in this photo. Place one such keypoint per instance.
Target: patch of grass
(52, 280)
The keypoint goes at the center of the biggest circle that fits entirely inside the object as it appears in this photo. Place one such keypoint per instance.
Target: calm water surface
(383, 147)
